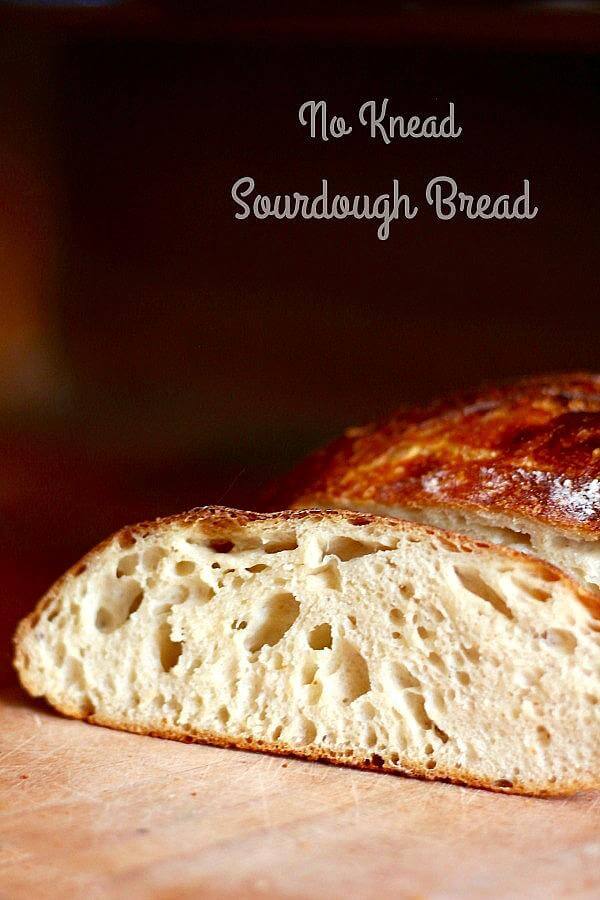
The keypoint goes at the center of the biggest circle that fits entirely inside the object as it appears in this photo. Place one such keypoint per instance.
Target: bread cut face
(360, 640)
(517, 464)
(578, 557)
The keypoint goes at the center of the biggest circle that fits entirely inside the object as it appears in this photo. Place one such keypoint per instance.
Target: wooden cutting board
(88, 812)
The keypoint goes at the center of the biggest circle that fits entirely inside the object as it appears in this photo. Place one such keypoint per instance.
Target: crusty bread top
(224, 525)
(530, 448)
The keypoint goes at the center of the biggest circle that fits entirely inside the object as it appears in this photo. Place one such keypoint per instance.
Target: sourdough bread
(338, 636)
(517, 465)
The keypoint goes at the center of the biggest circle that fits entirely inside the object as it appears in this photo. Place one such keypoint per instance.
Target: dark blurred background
(157, 354)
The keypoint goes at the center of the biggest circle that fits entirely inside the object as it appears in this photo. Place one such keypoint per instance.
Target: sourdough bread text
(442, 195)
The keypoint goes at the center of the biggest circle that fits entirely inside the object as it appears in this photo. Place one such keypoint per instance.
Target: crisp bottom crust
(330, 757)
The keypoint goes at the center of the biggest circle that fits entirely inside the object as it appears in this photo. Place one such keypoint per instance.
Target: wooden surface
(93, 813)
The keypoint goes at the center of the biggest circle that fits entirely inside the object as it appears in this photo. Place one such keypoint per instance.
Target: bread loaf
(337, 636)
(517, 465)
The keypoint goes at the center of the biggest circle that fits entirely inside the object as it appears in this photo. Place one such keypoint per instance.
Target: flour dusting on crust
(529, 449)
(581, 501)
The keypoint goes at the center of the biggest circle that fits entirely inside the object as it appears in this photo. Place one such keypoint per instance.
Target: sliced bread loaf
(340, 636)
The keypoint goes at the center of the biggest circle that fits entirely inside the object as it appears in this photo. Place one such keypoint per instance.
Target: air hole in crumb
(472, 654)
(279, 544)
(221, 545)
(396, 617)
(103, 620)
(328, 577)
(395, 758)
(81, 568)
(301, 731)
(369, 710)
(315, 691)
(436, 660)
(275, 618)
(472, 581)
(60, 654)
(439, 702)
(223, 715)
(448, 544)
(428, 749)
(503, 783)
(423, 633)
(404, 678)
(310, 732)
(169, 650)
(202, 592)
(548, 575)
(561, 640)
(118, 607)
(441, 734)
(352, 620)
(277, 733)
(351, 680)
(532, 590)
(50, 617)
(543, 735)
(308, 673)
(464, 678)
(320, 637)
(346, 548)
(371, 738)
(416, 705)
(127, 565)
(74, 672)
(259, 567)
(152, 556)
(185, 567)
(407, 591)
(239, 625)
(135, 603)
(430, 764)
(126, 539)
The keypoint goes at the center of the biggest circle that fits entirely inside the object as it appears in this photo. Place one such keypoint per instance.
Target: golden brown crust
(529, 449)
